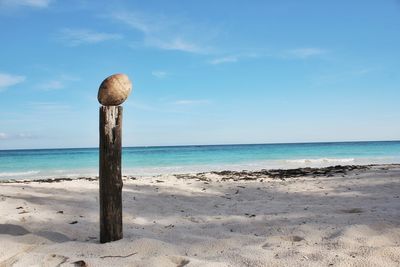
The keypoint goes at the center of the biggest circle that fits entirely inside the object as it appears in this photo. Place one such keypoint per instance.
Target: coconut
(114, 90)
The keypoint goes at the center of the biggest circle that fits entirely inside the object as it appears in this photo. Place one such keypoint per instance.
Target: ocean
(142, 161)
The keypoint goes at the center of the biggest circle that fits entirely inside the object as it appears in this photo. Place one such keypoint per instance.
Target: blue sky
(203, 72)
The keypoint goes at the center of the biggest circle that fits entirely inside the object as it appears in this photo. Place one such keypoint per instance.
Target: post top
(114, 90)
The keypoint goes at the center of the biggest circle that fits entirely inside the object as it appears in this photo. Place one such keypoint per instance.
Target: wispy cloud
(296, 53)
(177, 43)
(75, 37)
(363, 71)
(344, 75)
(187, 102)
(8, 80)
(52, 85)
(233, 58)
(49, 106)
(161, 32)
(4, 136)
(306, 52)
(58, 83)
(140, 106)
(27, 3)
(227, 59)
(137, 21)
(159, 74)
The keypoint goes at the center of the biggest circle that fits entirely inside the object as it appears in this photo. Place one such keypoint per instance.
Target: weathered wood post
(113, 91)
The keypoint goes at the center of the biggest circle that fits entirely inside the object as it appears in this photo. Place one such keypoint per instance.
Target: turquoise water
(27, 164)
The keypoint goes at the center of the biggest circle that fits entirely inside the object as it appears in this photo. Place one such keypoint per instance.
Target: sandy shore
(323, 217)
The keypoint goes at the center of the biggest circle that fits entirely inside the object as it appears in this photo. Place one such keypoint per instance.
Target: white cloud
(364, 71)
(52, 85)
(29, 3)
(176, 43)
(345, 75)
(3, 136)
(49, 106)
(159, 74)
(25, 135)
(161, 32)
(140, 106)
(228, 59)
(305, 52)
(75, 37)
(7, 80)
(136, 21)
(58, 83)
(233, 58)
(187, 102)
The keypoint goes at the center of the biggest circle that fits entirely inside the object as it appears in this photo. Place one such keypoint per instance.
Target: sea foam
(321, 161)
(14, 174)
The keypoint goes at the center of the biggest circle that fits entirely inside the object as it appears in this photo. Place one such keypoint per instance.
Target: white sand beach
(349, 218)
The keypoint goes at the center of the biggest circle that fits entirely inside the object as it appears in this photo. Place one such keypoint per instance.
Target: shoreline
(150, 161)
(270, 173)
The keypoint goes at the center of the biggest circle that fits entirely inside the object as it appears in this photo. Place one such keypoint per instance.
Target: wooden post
(113, 91)
(110, 174)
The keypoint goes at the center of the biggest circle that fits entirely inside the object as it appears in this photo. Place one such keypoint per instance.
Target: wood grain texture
(110, 178)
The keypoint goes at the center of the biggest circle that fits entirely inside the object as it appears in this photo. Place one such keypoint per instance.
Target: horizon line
(203, 145)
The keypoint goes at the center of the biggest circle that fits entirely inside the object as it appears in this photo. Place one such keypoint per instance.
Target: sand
(347, 218)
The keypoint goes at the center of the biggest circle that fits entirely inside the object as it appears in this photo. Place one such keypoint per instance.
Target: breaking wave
(15, 174)
(321, 161)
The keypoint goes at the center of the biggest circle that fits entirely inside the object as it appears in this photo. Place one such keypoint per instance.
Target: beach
(199, 133)
(335, 216)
